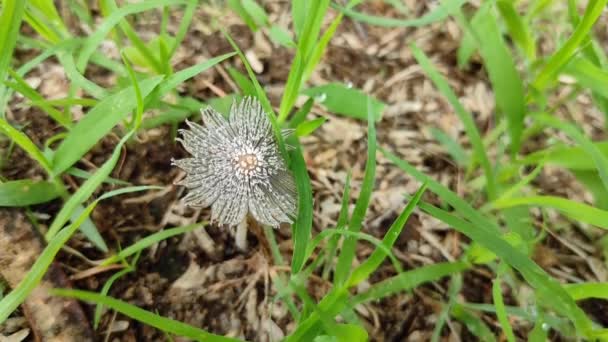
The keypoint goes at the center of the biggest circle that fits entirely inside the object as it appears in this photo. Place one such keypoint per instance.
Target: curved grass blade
(10, 17)
(409, 280)
(146, 317)
(600, 160)
(149, 241)
(575, 210)
(587, 290)
(10, 302)
(466, 118)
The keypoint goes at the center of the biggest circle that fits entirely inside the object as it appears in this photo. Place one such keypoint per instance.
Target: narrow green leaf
(409, 280)
(179, 77)
(146, 317)
(475, 324)
(506, 83)
(9, 303)
(246, 86)
(587, 290)
(600, 160)
(444, 10)
(588, 75)
(453, 147)
(501, 313)
(10, 17)
(98, 122)
(347, 254)
(281, 37)
(308, 127)
(341, 99)
(94, 40)
(26, 144)
(149, 241)
(256, 12)
(364, 270)
(546, 286)
(84, 192)
(26, 192)
(575, 210)
(565, 52)
(518, 28)
(465, 117)
(303, 224)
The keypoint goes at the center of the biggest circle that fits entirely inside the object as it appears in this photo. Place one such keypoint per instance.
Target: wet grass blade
(21, 193)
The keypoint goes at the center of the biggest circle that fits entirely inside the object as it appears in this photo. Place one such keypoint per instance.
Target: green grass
(496, 220)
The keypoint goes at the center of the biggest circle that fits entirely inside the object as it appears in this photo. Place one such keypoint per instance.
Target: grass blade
(98, 122)
(146, 317)
(506, 83)
(600, 160)
(465, 117)
(371, 264)
(149, 241)
(94, 40)
(26, 192)
(501, 313)
(562, 56)
(444, 10)
(341, 99)
(11, 16)
(409, 280)
(84, 192)
(347, 254)
(518, 28)
(303, 224)
(26, 144)
(575, 210)
(546, 286)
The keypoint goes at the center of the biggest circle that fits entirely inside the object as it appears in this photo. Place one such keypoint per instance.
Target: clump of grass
(502, 237)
